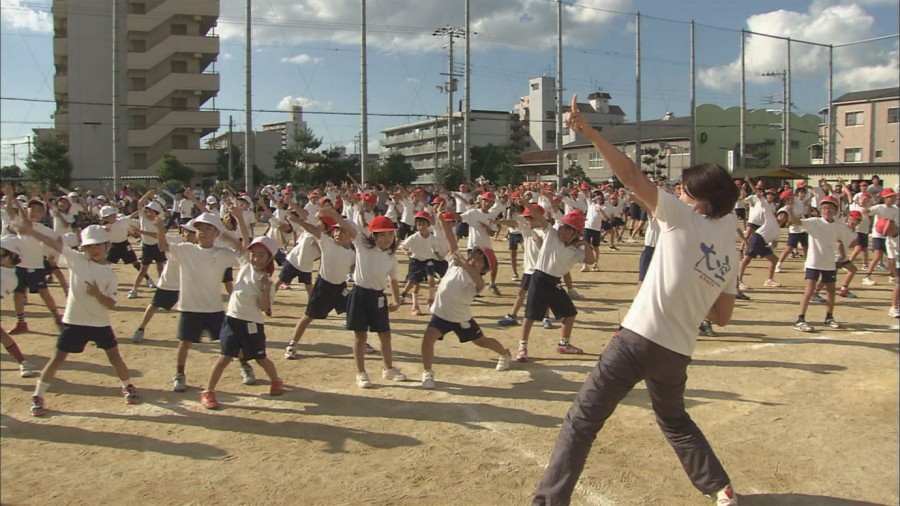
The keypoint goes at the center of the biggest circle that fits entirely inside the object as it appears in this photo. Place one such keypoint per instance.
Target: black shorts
(151, 254)
(634, 211)
(815, 274)
(618, 222)
(798, 239)
(238, 336)
(758, 247)
(515, 239)
(644, 263)
(121, 251)
(228, 275)
(465, 331)
(606, 225)
(31, 279)
(73, 338)
(842, 264)
(326, 297)
(862, 240)
(878, 244)
(403, 231)
(439, 267)
(418, 270)
(462, 229)
(544, 293)
(191, 325)
(165, 299)
(753, 226)
(741, 213)
(49, 267)
(367, 311)
(595, 237)
(526, 282)
(288, 272)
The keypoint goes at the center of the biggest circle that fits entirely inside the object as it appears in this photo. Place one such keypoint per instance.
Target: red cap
(488, 196)
(438, 200)
(527, 212)
(425, 216)
(864, 184)
(856, 215)
(491, 259)
(829, 200)
(329, 223)
(448, 216)
(314, 193)
(772, 191)
(37, 201)
(574, 219)
(888, 193)
(370, 199)
(786, 194)
(381, 224)
(516, 195)
(324, 200)
(573, 193)
(737, 182)
(801, 184)
(338, 203)
(585, 186)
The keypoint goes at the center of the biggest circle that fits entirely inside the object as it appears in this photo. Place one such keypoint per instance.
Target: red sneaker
(20, 328)
(276, 387)
(208, 399)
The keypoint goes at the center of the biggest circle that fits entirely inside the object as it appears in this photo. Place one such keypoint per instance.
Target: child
(759, 238)
(659, 332)
(299, 261)
(452, 307)
(824, 234)
(243, 331)
(150, 252)
(533, 239)
(562, 248)
(841, 261)
(10, 255)
(420, 247)
(91, 295)
(367, 307)
(884, 234)
(797, 238)
(120, 249)
(479, 221)
(330, 291)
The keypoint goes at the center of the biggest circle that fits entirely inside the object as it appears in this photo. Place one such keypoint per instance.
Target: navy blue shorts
(753, 226)
(121, 251)
(228, 275)
(544, 293)
(192, 325)
(30, 279)
(403, 231)
(644, 264)
(49, 267)
(165, 299)
(618, 222)
(842, 264)
(150, 254)
(73, 338)
(280, 257)
(862, 240)
(634, 211)
(815, 274)
(758, 247)
(593, 236)
(741, 213)
(798, 239)
(418, 270)
(878, 244)
(238, 336)
(326, 297)
(515, 239)
(605, 225)
(526, 282)
(439, 267)
(462, 229)
(465, 331)
(367, 311)
(289, 272)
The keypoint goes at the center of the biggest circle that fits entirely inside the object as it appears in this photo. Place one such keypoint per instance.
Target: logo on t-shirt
(712, 269)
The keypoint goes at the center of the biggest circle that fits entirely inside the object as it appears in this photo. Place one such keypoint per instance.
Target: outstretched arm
(27, 228)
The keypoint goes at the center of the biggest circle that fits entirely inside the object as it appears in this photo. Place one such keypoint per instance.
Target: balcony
(206, 84)
(163, 11)
(60, 47)
(188, 44)
(60, 85)
(204, 121)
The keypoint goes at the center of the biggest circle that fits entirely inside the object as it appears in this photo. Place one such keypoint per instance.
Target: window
(549, 114)
(595, 160)
(179, 103)
(816, 152)
(894, 115)
(179, 29)
(179, 67)
(853, 118)
(179, 142)
(137, 84)
(139, 161)
(879, 153)
(137, 45)
(535, 86)
(853, 154)
(550, 137)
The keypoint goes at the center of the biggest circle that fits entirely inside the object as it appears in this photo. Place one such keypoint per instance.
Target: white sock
(41, 388)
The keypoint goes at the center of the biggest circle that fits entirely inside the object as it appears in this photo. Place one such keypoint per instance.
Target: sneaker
(290, 352)
(726, 497)
(276, 387)
(706, 329)
(522, 354)
(515, 277)
(37, 406)
(817, 298)
(894, 312)
(778, 267)
(402, 299)
(20, 328)
(208, 399)
(568, 349)
(508, 321)
(415, 311)
(131, 395)
(830, 321)
(138, 336)
(866, 281)
(771, 283)
(248, 377)
(428, 379)
(743, 286)
(370, 349)
(494, 289)
(843, 292)
(150, 284)
(614, 248)
(586, 268)
(574, 295)
(393, 374)
(362, 380)
(547, 323)
(741, 296)
(504, 361)
(881, 266)
(595, 268)
(132, 294)
(179, 383)
(802, 326)
(25, 370)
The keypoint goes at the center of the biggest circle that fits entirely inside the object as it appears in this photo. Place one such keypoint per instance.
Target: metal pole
(637, 107)
(248, 104)
(230, 148)
(450, 88)
(436, 166)
(691, 159)
(119, 62)
(560, 173)
(363, 107)
(831, 120)
(787, 107)
(784, 119)
(467, 109)
(742, 156)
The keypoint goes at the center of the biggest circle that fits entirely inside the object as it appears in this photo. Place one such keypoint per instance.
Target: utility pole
(230, 148)
(363, 108)
(248, 105)
(451, 33)
(467, 110)
(785, 149)
(560, 171)
(119, 64)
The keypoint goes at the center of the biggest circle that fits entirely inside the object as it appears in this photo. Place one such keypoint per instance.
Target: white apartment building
(170, 48)
(267, 142)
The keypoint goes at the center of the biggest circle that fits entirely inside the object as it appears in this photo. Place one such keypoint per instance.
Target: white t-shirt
(823, 239)
(373, 265)
(769, 230)
(243, 303)
(305, 253)
(8, 281)
(555, 258)
(200, 276)
(186, 208)
(170, 277)
(757, 209)
(148, 226)
(453, 301)
(33, 249)
(884, 211)
(408, 214)
(420, 247)
(865, 224)
(118, 230)
(461, 202)
(62, 222)
(682, 285)
(800, 209)
(652, 234)
(594, 217)
(81, 308)
(478, 233)
(532, 242)
(337, 261)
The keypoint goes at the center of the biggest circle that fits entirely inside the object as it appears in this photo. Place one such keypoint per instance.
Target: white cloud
(287, 102)
(23, 17)
(301, 59)
(863, 66)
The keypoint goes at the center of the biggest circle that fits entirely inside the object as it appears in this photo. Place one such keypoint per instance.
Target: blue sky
(307, 52)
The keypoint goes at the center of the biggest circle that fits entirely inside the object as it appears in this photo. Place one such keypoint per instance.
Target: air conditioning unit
(198, 18)
(198, 130)
(198, 92)
(198, 55)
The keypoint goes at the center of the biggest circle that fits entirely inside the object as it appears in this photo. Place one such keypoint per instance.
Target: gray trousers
(628, 359)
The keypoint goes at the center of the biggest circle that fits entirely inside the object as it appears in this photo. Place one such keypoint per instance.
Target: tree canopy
(49, 164)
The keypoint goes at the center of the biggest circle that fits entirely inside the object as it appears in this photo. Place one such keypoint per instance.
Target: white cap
(12, 243)
(70, 240)
(290, 185)
(73, 194)
(189, 226)
(101, 197)
(21, 198)
(94, 234)
(211, 200)
(268, 242)
(106, 211)
(209, 219)
(154, 206)
(247, 198)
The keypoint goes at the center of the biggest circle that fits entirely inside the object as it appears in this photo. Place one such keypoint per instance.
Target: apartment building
(170, 49)
(273, 137)
(867, 128)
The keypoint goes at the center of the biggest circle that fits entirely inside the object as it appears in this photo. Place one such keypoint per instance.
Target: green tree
(11, 171)
(654, 160)
(574, 172)
(509, 174)
(172, 168)
(486, 160)
(295, 165)
(49, 163)
(450, 175)
(237, 164)
(394, 170)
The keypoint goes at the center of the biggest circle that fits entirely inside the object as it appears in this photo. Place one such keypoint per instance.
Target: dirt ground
(797, 419)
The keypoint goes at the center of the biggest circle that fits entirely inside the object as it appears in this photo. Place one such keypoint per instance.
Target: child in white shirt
(10, 255)
(420, 246)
